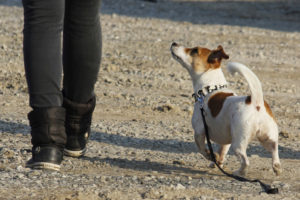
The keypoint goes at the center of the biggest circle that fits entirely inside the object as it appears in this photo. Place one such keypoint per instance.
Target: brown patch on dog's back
(215, 103)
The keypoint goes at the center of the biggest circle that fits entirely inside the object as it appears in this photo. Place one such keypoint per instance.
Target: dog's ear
(217, 55)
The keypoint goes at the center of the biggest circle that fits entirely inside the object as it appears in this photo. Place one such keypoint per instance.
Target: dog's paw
(277, 169)
(207, 155)
(217, 158)
(213, 165)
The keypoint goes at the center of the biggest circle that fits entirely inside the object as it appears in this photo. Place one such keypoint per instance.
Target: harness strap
(267, 188)
(206, 90)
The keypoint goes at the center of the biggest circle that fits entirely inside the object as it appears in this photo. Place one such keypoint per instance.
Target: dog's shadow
(162, 145)
(177, 146)
(147, 165)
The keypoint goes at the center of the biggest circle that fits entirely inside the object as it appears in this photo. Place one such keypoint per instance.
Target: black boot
(48, 137)
(78, 126)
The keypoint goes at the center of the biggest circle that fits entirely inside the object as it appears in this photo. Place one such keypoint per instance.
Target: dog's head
(198, 60)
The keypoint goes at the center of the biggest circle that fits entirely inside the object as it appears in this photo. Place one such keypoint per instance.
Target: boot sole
(75, 154)
(44, 165)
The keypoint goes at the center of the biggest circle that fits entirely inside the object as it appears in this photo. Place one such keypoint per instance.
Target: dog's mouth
(175, 56)
(174, 50)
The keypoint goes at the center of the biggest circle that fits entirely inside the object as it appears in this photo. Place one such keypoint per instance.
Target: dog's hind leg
(242, 155)
(240, 141)
(271, 145)
(275, 158)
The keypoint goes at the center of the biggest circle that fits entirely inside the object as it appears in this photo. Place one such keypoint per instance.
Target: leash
(267, 188)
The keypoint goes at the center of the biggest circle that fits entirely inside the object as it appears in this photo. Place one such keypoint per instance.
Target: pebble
(284, 134)
(179, 187)
(4, 47)
(20, 168)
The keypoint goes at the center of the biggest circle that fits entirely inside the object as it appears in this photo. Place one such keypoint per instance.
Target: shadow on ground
(163, 145)
(261, 14)
(139, 165)
(175, 146)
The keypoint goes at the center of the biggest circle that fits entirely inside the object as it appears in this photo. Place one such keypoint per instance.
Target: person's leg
(81, 61)
(81, 49)
(43, 20)
(43, 23)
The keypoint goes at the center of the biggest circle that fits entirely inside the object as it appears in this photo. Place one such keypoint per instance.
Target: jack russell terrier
(232, 120)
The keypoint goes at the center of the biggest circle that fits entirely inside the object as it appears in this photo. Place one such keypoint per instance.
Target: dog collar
(199, 96)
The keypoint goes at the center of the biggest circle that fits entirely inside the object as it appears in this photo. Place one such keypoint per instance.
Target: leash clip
(200, 99)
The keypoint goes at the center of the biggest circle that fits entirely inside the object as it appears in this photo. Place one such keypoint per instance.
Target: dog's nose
(174, 44)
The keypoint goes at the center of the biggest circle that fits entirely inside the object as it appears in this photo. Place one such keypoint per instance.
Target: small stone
(179, 187)
(178, 162)
(112, 68)
(20, 168)
(20, 176)
(147, 178)
(6, 153)
(107, 80)
(4, 47)
(134, 178)
(284, 134)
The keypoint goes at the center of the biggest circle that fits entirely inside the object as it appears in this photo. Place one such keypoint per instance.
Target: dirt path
(142, 144)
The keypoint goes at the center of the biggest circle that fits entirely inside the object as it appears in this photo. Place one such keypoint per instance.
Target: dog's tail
(254, 84)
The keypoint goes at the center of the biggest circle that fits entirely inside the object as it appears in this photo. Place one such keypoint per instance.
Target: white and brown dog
(232, 120)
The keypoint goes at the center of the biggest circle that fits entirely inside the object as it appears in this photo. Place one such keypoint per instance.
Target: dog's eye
(194, 51)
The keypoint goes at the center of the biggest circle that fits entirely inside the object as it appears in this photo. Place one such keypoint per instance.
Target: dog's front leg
(199, 132)
(200, 141)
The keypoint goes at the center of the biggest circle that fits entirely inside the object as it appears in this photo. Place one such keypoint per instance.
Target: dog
(233, 121)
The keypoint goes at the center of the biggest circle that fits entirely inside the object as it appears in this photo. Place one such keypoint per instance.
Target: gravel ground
(142, 144)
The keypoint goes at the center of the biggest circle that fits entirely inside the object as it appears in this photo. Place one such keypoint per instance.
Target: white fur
(254, 83)
(237, 122)
(210, 78)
